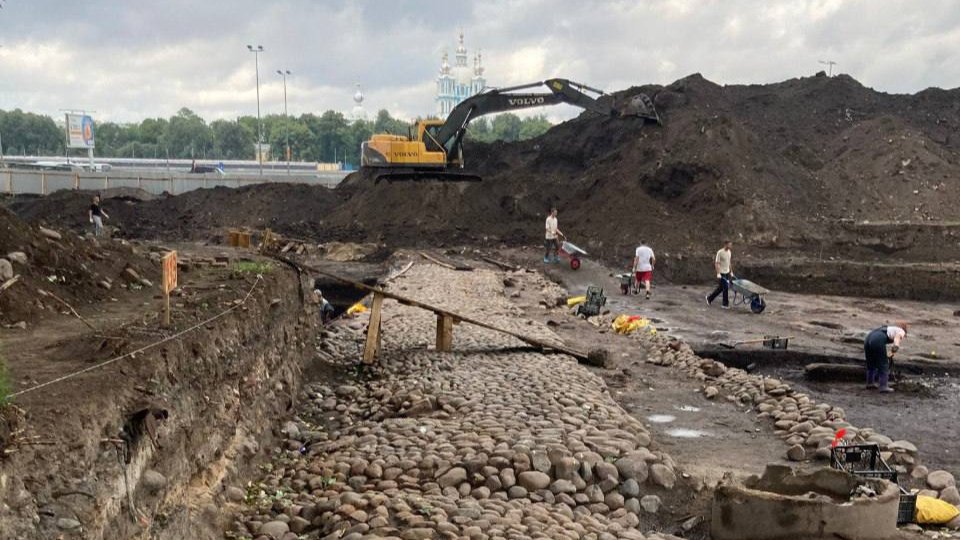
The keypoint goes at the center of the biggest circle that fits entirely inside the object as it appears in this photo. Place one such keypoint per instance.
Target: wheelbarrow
(573, 253)
(748, 292)
(626, 282)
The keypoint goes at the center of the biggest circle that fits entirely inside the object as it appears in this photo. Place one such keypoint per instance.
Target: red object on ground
(838, 437)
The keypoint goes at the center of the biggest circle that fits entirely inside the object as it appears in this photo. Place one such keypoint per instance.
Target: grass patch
(253, 267)
(6, 385)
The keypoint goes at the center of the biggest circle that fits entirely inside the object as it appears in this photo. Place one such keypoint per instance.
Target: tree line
(327, 137)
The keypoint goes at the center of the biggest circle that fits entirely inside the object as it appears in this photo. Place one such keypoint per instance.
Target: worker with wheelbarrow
(875, 349)
(723, 265)
(551, 242)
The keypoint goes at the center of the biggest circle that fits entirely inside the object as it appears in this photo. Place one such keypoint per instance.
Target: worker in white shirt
(875, 349)
(551, 238)
(643, 262)
(724, 267)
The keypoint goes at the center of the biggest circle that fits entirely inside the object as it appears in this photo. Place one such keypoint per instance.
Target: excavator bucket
(640, 105)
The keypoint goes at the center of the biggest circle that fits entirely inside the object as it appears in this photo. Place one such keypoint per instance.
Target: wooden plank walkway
(446, 320)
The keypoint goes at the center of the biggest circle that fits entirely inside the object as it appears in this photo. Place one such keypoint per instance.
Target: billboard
(79, 131)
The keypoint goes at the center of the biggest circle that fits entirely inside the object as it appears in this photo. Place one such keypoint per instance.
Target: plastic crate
(907, 511)
(862, 460)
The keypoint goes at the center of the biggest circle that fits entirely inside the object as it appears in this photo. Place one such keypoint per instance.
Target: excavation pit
(825, 503)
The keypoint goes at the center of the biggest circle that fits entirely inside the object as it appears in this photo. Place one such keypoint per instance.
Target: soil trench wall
(223, 389)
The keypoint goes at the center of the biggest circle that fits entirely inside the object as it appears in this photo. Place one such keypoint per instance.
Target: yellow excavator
(435, 151)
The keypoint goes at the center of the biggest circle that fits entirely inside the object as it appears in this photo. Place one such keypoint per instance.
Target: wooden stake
(444, 332)
(9, 283)
(372, 346)
(166, 309)
(437, 261)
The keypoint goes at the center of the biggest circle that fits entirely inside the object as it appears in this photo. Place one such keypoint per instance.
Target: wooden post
(43, 183)
(169, 283)
(372, 347)
(444, 333)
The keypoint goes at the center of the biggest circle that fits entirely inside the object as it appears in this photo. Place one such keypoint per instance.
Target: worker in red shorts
(643, 262)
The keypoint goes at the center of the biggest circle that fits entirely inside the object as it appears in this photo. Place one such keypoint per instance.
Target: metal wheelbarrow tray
(748, 292)
(573, 253)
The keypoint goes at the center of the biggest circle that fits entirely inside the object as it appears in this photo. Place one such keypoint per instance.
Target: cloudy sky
(127, 59)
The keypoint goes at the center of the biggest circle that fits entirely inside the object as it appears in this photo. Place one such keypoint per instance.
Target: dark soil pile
(780, 169)
(71, 267)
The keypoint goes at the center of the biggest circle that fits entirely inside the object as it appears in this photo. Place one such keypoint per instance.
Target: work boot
(872, 379)
(556, 260)
(546, 260)
(884, 380)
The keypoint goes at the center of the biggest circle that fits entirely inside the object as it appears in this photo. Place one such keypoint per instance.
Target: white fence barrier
(13, 181)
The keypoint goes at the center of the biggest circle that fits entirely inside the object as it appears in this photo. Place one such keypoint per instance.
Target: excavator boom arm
(450, 135)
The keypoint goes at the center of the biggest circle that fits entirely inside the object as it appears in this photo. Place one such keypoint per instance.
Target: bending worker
(875, 348)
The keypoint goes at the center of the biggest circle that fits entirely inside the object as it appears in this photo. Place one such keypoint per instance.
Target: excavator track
(423, 175)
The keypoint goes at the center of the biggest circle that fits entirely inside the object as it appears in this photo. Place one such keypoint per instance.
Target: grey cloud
(133, 59)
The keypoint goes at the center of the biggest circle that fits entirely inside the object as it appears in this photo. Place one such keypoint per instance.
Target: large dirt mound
(775, 167)
(75, 269)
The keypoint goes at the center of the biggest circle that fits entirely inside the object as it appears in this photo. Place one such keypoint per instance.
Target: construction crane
(435, 151)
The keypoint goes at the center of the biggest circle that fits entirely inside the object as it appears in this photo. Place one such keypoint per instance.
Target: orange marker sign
(169, 272)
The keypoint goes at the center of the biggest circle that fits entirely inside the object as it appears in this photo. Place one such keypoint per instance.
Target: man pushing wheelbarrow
(551, 242)
(553, 246)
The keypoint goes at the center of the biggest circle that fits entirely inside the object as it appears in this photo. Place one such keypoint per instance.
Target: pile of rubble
(489, 441)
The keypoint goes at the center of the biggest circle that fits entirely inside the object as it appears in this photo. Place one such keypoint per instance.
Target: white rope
(141, 349)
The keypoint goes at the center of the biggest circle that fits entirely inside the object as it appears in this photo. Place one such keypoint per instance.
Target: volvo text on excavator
(436, 152)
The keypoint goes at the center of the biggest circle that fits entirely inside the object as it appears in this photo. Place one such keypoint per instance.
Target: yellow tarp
(574, 300)
(627, 324)
(932, 511)
(356, 308)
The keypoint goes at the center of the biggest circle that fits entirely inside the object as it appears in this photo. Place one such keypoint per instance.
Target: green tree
(358, 132)
(329, 136)
(29, 133)
(388, 124)
(506, 127)
(534, 126)
(188, 136)
(479, 130)
(231, 140)
(151, 130)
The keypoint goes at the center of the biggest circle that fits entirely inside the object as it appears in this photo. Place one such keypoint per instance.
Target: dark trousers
(551, 246)
(875, 349)
(723, 286)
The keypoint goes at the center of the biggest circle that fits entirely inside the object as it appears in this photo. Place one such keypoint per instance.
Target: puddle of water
(687, 408)
(685, 433)
(661, 418)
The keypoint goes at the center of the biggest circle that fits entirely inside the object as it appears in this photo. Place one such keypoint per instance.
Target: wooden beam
(444, 333)
(438, 262)
(502, 265)
(535, 342)
(372, 346)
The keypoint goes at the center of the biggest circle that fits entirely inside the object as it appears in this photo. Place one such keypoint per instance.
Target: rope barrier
(141, 349)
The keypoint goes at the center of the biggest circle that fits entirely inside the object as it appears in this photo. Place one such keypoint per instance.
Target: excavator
(436, 152)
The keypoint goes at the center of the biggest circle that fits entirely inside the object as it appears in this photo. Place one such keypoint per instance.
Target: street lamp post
(256, 52)
(286, 119)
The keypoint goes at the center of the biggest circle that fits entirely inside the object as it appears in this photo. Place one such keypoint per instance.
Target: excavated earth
(825, 186)
(259, 422)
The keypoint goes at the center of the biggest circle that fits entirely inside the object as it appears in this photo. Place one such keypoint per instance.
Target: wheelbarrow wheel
(757, 305)
(574, 263)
